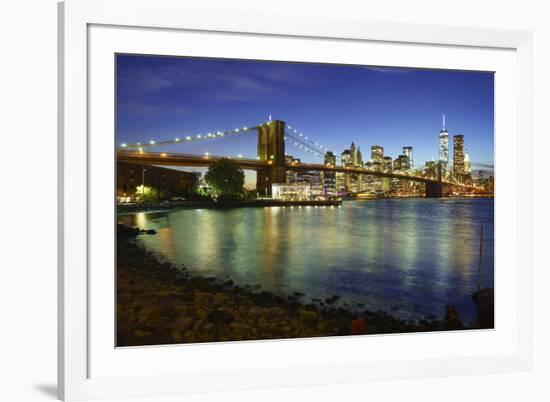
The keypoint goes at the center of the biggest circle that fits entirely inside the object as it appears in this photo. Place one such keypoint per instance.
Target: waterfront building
(408, 152)
(168, 182)
(458, 155)
(444, 146)
(291, 192)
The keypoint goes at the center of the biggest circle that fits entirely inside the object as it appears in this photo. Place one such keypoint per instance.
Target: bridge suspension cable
(189, 138)
(302, 145)
(312, 146)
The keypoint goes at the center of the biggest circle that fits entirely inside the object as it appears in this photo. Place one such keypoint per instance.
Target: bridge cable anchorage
(189, 138)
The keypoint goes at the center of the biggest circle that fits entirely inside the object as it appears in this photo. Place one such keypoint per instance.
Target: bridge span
(263, 167)
(271, 165)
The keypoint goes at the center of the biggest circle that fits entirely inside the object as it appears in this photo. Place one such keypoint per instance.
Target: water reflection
(410, 257)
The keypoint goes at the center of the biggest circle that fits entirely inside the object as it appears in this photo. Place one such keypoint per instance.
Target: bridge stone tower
(271, 148)
(435, 189)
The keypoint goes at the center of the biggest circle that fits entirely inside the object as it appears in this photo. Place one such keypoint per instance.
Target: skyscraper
(387, 164)
(346, 158)
(329, 178)
(444, 146)
(376, 153)
(458, 155)
(358, 158)
(467, 163)
(408, 152)
(402, 163)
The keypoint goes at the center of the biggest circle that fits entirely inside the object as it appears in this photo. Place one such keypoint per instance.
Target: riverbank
(160, 303)
(244, 203)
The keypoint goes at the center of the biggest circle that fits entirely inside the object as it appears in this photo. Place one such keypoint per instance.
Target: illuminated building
(408, 152)
(444, 146)
(467, 163)
(346, 158)
(376, 153)
(387, 164)
(401, 163)
(458, 155)
(168, 182)
(329, 178)
(291, 192)
(358, 158)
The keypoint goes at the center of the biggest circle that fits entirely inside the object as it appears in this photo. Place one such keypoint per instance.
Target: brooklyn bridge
(271, 164)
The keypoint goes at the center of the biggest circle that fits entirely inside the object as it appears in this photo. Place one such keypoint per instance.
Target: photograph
(270, 199)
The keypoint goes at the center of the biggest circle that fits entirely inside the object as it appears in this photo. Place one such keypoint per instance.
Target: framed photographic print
(244, 197)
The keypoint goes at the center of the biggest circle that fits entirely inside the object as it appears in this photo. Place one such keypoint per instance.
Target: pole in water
(480, 255)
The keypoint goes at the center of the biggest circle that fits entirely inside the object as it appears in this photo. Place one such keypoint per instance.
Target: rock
(126, 231)
(256, 310)
(140, 332)
(358, 327)
(220, 316)
(277, 312)
(201, 313)
(177, 336)
(220, 297)
(202, 298)
(308, 315)
(451, 320)
(183, 323)
(240, 326)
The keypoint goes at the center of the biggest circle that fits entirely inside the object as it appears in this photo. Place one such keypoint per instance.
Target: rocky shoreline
(159, 303)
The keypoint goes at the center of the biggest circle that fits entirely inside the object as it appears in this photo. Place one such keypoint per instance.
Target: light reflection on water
(409, 257)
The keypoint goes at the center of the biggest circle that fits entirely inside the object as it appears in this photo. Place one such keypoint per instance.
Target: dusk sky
(161, 98)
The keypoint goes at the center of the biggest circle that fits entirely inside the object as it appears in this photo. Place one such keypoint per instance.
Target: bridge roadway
(177, 159)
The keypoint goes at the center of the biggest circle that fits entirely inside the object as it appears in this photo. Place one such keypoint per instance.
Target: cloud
(481, 165)
(143, 80)
(389, 70)
(211, 81)
(142, 109)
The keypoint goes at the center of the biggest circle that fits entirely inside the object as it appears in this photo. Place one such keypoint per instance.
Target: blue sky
(165, 97)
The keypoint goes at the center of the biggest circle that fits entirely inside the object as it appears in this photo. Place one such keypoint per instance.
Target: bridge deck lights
(188, 138)
(152, 142)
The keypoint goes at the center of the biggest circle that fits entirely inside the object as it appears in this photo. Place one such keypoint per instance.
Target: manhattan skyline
(160, 97)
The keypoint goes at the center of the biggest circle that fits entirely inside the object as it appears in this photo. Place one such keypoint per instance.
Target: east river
(408, 257)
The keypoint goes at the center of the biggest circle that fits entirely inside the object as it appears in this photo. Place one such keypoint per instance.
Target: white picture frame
(80, 377)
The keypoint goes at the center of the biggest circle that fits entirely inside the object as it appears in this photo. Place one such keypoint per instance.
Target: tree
(226, 178)
(147, 194)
